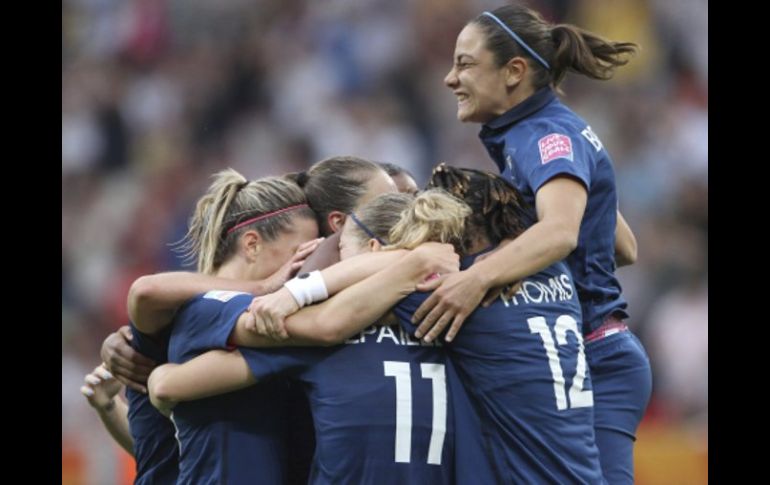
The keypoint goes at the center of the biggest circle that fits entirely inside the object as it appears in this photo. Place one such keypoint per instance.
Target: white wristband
(307, 288)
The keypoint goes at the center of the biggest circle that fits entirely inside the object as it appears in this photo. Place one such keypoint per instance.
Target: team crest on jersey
(555, 146)
(222, 295)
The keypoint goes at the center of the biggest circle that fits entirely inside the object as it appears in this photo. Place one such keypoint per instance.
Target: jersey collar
(534, 103)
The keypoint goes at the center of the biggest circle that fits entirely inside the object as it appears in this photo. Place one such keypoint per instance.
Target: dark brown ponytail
(563, 48)
(497, 207)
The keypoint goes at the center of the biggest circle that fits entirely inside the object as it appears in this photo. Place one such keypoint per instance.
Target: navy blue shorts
(622, 383)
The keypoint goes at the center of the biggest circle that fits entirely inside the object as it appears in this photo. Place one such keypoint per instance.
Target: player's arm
(625, 243)
(357, 306)
(127, 365)
(209, 374)
(270, 311)
(346, 273)
(560, 204)
(153, 299)
(101, 390)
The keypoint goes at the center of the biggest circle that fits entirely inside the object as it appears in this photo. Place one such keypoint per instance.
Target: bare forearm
(358, 305)
(535, 249)
(354, 308)
(336, 277)
(153, 299)
(214, 372)
(269, 310)
(243, 337)
(346, 273)
(115, 421)
(339, 317)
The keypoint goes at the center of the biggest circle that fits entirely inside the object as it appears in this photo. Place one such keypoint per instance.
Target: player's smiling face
(477, 82)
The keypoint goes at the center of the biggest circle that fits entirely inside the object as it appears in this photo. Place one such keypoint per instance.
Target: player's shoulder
(212, 303)
(539, 140)
(547, 138)
(534, 129)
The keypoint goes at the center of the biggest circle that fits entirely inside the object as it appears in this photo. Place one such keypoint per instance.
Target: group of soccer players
(345, 373)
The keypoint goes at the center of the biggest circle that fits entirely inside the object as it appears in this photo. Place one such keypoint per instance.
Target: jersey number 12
(578, 398)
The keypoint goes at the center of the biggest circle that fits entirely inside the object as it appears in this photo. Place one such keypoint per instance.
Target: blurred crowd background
(159, 94)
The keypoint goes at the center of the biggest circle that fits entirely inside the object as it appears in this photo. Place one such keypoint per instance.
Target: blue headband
(518, 39)
(366, 229)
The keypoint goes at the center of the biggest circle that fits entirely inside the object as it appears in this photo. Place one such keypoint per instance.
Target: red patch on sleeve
(555, 146)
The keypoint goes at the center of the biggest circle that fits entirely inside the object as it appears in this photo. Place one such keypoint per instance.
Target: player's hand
(100, 388)
(505, 292)
(127, 365)
(432, 259)
(270, 312)
(275, 281)
(450, 304)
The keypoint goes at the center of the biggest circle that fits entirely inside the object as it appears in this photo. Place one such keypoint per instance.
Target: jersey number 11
(436, 373)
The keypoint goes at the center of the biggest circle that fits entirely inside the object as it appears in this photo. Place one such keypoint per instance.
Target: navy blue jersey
(380, 404)
(541, 138)
(155, 449)
(301, 438)
(523, 365)
(234, 438)
(472, 461)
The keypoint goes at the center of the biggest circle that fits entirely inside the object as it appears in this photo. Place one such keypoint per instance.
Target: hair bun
(299, 178)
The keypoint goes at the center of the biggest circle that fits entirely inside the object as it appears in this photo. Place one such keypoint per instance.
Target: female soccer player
(507, 64)
(381, 401)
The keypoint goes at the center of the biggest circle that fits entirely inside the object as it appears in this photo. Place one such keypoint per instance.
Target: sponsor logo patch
(555, 146)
